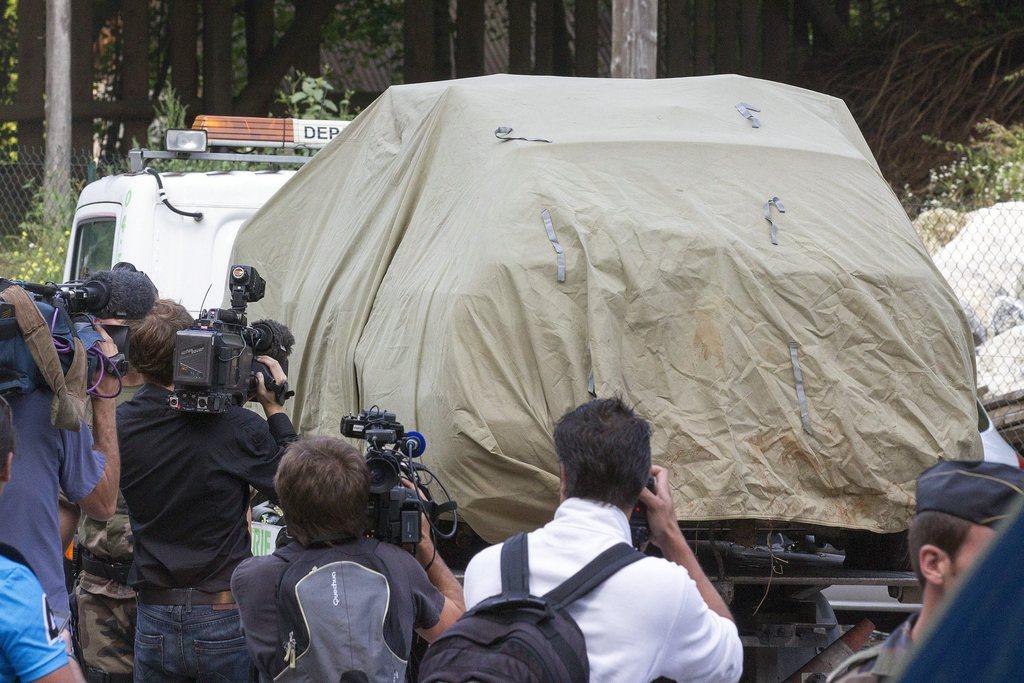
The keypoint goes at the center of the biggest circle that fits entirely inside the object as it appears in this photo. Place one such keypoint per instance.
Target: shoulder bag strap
(593, 574)
(515, 566)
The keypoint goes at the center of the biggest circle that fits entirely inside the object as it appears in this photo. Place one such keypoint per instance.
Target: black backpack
(516, 636)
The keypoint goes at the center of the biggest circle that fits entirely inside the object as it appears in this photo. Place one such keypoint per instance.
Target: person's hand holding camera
(265, 396)
(110, 384)
(661, 512)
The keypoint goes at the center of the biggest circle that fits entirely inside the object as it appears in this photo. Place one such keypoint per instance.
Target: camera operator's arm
(441, 578)
(665, 533)
(101, 503)
(266, 398)
(263, 442)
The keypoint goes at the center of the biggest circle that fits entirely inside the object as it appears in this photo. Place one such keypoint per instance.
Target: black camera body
(393, 511)
(639, 527)
(214, 366)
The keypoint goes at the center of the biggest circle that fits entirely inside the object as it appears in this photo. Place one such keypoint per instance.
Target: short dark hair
(151, 351)
(605, 449)
(940, 529)
(6, 430)
(324, 485)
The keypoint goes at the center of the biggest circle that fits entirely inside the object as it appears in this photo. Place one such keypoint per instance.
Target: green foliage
(37, 252)
(987, 169)
(8, 72)
(308, 97)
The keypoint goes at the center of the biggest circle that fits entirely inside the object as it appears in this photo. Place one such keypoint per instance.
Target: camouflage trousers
(106, 634)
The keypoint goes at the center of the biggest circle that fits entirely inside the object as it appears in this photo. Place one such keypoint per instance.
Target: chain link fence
(21, 177)
(981, 254)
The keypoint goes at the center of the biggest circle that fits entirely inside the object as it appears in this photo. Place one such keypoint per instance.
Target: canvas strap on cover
(68, 409)
(545, 216)
(747, 111)
(773, 231)
(801, 395)
(504, 133)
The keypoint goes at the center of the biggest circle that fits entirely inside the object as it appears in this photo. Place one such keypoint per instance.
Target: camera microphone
(415, 444)
(119, 293)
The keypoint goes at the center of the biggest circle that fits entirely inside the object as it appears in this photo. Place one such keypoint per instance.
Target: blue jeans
(175, 643)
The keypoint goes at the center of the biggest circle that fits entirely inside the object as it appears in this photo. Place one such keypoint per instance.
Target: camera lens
(383, 474)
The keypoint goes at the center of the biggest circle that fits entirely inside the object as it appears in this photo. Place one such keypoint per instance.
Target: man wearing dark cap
(958, 504)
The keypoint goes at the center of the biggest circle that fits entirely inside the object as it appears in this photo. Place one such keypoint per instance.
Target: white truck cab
(125, 218)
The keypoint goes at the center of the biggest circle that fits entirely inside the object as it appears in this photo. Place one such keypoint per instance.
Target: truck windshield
(94, 246)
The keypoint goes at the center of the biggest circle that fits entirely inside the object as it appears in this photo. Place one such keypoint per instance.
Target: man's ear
(935, 564)
(561, 482)
(5, 471)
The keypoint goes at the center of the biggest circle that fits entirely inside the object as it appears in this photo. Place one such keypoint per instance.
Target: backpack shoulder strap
(515, 566)
(14, 555)
(596, 572)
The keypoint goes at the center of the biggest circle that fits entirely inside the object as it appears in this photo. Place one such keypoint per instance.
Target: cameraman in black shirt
(186, 479)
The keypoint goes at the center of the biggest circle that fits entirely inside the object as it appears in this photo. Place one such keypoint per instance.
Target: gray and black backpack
(516, 636)
(333, 603)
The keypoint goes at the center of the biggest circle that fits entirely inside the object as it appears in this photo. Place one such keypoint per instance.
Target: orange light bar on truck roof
(255, 131)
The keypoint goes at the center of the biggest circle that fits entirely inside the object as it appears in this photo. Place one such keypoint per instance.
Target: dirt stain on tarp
(708, 340)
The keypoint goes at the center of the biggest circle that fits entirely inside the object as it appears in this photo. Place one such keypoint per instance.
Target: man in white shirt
(656, 617)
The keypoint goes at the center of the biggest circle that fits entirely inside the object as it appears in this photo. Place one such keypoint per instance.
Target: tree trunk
(81, 74)
(418, 40)
(442, 39)
(259, 31)
(634, 38)
(57, 174)
(469, 38)
(725, 36)
(183, 17)
(843, 12)
(561, 43)
(801, 37)
(829, 31)
(703, 31)
(520, 35)
(135, 67)
(31, 67)
(775, 39)
(678, 38)
(543, 42)
(586, 37)
(750, 39)
(218, 69)
(254, 100)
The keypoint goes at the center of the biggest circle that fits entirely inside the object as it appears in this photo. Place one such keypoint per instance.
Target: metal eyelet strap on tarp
(559, 252)
(504, 133)
(801, 395)
(747, 111)
(773, 231)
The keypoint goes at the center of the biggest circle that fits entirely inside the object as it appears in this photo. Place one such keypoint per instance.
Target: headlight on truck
(184, 140)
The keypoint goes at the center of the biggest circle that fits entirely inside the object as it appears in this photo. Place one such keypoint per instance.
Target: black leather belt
(184, 596)
(107, 569)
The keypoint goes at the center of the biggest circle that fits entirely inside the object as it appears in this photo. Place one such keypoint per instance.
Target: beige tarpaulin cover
(412, 260)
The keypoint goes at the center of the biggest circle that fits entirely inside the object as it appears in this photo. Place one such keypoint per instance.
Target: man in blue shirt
(31, 646)
(84, 464)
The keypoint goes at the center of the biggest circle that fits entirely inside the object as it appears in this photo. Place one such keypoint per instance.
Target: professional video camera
(214, 360)
(393, 512)
(69, 310)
